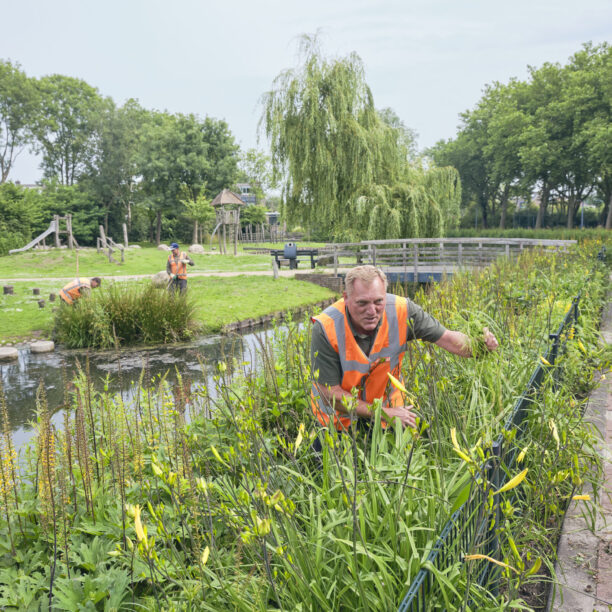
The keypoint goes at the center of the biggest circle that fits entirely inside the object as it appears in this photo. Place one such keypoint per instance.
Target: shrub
(125, 315)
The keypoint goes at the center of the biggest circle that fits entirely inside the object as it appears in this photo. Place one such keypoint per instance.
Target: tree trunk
(609, 217)
(543, 204)
(195, 232)
(571, 209)
(158, 232)
(482, 201)
(504, 207)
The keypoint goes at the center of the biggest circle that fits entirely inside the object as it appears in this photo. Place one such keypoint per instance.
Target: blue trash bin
(290, 253)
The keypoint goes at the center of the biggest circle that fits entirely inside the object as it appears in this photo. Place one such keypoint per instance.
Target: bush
(125, 315)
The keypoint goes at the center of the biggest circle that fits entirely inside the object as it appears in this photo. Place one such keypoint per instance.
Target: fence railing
(470, 525)
(418, 257)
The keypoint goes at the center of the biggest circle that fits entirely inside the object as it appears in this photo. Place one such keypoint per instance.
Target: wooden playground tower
(227, 207)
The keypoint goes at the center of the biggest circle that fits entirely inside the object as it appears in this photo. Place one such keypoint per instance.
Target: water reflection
(196, 363)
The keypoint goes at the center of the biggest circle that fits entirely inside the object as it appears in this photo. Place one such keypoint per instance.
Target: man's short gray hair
(367, 274)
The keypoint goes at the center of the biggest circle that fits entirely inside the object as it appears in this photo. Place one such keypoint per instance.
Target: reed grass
(125, 315)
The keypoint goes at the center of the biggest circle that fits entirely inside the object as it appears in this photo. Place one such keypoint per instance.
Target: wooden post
(373, 254)
(125, 236)
(460, 254)
(103, 237)
(415, 260)
(7, 289)
(41, 303)
(508, 250)
(35, 291)
(57, 238)
(404, 259)
(69, 230)
(335, 260)
(52, 297)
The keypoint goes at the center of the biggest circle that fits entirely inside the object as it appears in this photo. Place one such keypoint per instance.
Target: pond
(119, 370)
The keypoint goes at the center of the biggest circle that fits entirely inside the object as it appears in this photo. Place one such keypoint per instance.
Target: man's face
(175, 252)
(366, 304)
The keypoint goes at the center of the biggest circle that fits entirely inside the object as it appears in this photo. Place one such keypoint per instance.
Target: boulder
(42, 346)
(134, 246)
(196, 248)
(8, 353)
(163, 247)
(160, 279)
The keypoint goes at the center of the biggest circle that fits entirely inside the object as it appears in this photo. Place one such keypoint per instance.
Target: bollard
(52, 297)
(41, 303)
(36, 291)
(8, 289)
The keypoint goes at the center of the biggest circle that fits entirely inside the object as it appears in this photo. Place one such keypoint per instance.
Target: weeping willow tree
(344, 169)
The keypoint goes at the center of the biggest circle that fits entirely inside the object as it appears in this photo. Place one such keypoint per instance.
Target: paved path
(584, 568)
(287, 273)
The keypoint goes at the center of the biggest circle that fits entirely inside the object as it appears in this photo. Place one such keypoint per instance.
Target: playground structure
(106, 243)
(54, 228)
(227, 206)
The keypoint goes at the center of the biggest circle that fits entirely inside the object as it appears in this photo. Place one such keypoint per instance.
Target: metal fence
(474, 524)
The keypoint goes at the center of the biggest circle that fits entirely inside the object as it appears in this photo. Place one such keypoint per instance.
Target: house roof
(227, 197)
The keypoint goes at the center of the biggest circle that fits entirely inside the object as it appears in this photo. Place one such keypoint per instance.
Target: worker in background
(177, 268)
(77, 288)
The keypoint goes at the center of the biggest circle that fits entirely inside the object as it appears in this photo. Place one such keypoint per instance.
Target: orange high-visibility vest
(366, 373)
(72, 291)
(177, 267)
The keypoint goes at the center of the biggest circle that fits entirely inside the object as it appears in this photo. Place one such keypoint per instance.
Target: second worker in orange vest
(360, 339)
(77, 288)
(177, 268)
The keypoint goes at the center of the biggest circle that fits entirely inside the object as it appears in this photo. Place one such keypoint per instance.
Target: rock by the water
(8, 352)
(196, 248)
(42, 346)
(160, 279)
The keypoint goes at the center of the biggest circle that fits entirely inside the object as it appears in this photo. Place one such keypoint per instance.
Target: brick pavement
(584, 566)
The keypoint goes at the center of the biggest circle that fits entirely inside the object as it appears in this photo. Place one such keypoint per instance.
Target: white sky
(427, 59)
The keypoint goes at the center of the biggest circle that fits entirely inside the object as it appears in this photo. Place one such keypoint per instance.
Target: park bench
(291, 256)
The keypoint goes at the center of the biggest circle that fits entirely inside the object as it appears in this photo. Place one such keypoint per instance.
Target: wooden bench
(292, 262)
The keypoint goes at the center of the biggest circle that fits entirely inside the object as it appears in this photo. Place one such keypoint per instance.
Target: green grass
(218, 302)
(147, 260)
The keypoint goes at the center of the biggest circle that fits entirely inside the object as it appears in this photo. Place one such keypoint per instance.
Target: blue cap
(174, 245)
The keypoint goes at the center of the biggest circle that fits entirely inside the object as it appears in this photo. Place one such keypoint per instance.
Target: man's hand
(404, 413)
(489, 339)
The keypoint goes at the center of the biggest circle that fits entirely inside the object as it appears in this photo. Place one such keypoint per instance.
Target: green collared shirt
(421, 326)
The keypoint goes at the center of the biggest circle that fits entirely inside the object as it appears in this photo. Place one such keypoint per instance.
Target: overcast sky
(428, 59)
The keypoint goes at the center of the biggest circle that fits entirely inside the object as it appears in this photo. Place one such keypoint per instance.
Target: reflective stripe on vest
(367, 373)
(72, 291)
(176, 266)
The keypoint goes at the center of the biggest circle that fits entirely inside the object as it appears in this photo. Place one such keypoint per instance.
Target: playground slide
(36, 240)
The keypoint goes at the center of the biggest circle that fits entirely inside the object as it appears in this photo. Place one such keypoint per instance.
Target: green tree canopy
(18, 111)
(343, 165)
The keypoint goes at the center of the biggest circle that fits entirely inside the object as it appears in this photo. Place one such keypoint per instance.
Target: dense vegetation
(548, 135)
(124, 315)
(212, 498)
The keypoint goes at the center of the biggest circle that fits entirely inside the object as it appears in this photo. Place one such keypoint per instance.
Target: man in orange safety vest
(77, 288)
(361, 339)
(177, 268)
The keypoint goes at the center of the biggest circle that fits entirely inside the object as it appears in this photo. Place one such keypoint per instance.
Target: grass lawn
(219, 301)
(147, 260)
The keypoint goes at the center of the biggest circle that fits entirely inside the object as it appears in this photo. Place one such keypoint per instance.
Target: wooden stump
(36, 291)
(52, 297)
(41, 303)
(8, 289)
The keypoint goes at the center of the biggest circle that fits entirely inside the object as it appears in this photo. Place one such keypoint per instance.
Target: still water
(196, 362)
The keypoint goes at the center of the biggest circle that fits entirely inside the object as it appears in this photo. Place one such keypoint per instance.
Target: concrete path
(584, 566)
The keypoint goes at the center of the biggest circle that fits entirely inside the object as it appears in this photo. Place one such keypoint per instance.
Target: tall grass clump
(125, 314)
(215, 498)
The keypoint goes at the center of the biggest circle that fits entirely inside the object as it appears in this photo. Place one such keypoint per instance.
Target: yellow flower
(545, 361)
(464, 456)
(486, 557)
(396, 383)
(205, 555)
(140, 532)
(514, 482)
(581, 498)
(299, 438)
